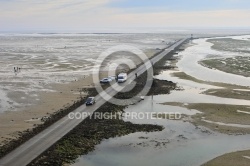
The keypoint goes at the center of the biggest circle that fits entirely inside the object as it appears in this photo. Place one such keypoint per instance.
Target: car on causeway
(106, 80)
(122, 77)
(90, 101)
(112, 78)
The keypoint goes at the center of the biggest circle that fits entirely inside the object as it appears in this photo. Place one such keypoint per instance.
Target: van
(122, 77)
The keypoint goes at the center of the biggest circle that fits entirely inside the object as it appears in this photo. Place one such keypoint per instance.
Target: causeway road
(35, 146)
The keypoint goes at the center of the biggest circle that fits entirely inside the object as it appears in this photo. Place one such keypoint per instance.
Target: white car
(106, 80)
(122, 77)
(112, 78)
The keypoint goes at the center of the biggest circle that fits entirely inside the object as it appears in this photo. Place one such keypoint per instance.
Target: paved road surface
(28, 151)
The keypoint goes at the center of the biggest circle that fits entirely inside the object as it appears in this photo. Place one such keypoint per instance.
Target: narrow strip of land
(31, 149)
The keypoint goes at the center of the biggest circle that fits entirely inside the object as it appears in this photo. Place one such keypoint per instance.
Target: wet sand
(13, 122)
(228, 119)
(241, 158)
(31, 112)
(229, 93)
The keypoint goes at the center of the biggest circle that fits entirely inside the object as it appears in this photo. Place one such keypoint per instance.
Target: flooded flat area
(194, 139)
(190, 153)
(201, 50)
(180, 143)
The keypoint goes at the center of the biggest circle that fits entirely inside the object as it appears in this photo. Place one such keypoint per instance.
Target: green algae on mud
(231, 45)
(238, 65)
(228, 114)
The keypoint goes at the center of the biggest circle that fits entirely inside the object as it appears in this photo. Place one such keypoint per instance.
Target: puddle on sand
(226, 124)
(188, 84)
(5, 102)
(243, 90)
(244, 112)
(191, 97)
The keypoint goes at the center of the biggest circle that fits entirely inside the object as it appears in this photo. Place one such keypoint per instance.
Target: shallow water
(245, 38)
(188, 153)
(189, 96)
(192, 55)
(227, 124)
(192, 92)
(166, 75)
(180, 143)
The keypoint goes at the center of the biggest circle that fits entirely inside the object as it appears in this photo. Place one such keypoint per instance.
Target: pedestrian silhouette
(15, 70)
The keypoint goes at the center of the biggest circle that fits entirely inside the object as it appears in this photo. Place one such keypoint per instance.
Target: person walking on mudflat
(15, 70)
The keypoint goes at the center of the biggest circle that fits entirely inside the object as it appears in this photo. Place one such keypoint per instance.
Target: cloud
(82, 14)
(217, 18)
(21, 8)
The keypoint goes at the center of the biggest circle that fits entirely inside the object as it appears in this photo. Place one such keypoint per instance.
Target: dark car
(90, 101)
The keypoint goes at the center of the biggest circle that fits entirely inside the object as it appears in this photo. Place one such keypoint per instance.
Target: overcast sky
(80, 15)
